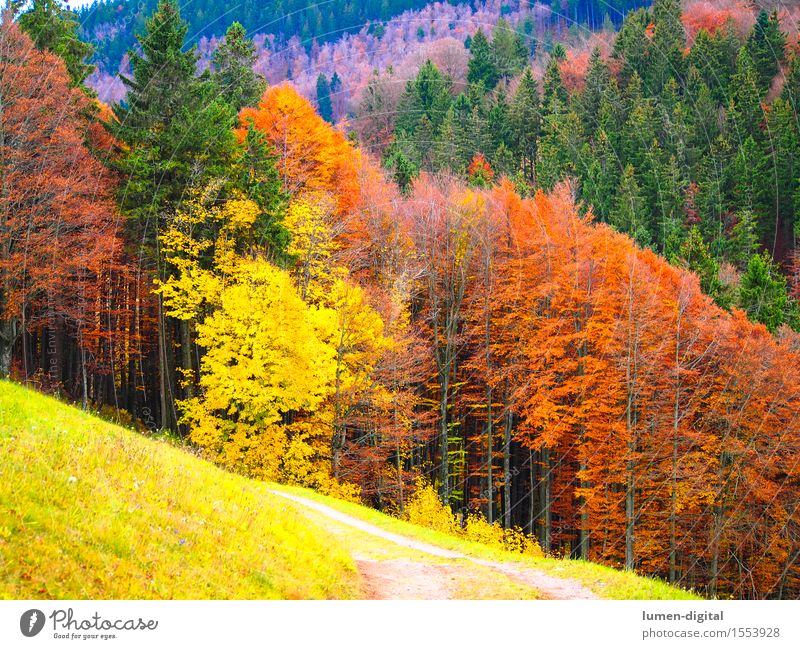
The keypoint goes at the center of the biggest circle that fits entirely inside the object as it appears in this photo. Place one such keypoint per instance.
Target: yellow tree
(266, 365)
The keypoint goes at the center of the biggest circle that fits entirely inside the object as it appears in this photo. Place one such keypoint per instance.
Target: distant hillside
(111, 24)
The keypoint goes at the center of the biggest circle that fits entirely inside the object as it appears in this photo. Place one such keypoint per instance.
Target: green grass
(89, 510)
(606, 582)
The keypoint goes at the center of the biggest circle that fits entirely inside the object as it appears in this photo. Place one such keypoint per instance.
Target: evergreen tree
(508, 50)
(714, 57)
(742, 243)
(336, 93)
(762, 292)
(404, 171)
(498, 126)
(665, 60)
(446, 154)
(766, 46)
(671, 185)
(176, 131)
(525, 120)
(324, 105)
(555, 98)
(782, 150)
(627, 215)
(598, 85)
(695, 255)
(55, 28)
(482, 68)
(791, 87)
(631, 46)
(560, 149)
(745, 107)
(744, 176)
(601, 178)
(257, 178)
(427, 95)
(232, 69)
(177, 135)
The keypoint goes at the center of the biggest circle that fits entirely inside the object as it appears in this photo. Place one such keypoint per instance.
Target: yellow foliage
(199, 229)
(310, 220)
(424, 508)
(264, 359)
(478, 529)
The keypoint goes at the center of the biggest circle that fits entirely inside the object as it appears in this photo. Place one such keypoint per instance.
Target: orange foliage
(57, 216)
(713, 16)
(312, 156)
(573, 70)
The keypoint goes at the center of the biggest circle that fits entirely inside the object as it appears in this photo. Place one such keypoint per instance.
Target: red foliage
(59, 225)
(480, 171)
(573, 70)
(713, 16)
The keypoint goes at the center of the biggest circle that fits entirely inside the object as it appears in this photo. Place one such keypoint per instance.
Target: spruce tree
(482, 69)
(232, 69)
(177, 134)
(767, 48)
(665, 52)
(555, 98)
(598, 82)
(746, 96)
(695, 255)
(427, 95)
(508, 50)
(55, 28)
(324, 105)
(525, 121)
(742, 243)
(627, 215)
(762, 292)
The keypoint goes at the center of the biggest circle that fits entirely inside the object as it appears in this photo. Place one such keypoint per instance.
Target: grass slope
(91, 510)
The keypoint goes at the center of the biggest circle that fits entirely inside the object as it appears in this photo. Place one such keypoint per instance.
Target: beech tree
(59, 228)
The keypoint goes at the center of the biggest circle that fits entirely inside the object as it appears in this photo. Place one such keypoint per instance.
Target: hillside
(110, 24)
(91, 510)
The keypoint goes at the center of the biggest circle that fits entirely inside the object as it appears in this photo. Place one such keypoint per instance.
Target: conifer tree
(482, 68)
(767, 48)
(525, 121)
(598, 81)
(627, 215)
(745, 107)
(508, 50)
(55, 28)
(324, 98)
(762, 292)
(232, 69)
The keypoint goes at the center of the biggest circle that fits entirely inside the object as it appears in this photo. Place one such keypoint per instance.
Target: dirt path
(426, 571)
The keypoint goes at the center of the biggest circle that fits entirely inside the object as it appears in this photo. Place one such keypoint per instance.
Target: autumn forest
(549, 271)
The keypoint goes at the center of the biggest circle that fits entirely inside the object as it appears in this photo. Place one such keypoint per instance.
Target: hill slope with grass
(92, 510)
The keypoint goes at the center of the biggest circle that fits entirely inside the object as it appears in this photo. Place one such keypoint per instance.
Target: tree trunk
(507, 421)
(545, 535)
(163, 370)
(8, 336)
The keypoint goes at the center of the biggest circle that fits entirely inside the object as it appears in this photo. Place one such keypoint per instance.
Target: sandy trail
(401, 578)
